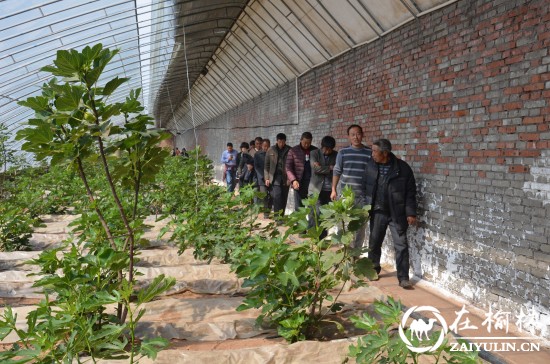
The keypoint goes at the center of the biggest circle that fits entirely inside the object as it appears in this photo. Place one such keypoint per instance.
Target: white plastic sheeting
(207, 315)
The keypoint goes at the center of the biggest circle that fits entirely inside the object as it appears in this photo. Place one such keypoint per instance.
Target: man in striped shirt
(350, 170)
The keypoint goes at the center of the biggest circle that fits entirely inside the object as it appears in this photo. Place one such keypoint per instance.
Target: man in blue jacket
(229, 160)
(391, 192)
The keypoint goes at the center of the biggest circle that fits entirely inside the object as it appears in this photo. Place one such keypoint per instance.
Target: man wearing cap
(275, 174)
(391, 192)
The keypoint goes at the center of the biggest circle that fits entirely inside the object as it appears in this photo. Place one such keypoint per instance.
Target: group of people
(376, 176)
(180, 153)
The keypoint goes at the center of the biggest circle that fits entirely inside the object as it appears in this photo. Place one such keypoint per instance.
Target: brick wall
(463, 93)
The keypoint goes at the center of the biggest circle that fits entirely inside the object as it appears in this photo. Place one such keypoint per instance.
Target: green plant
(292, 283)
(73, 322)
(73, 127)
(15, 228)
(382, 343)
(37, 189)
(177, 183)
(217, 224)
(7, 153)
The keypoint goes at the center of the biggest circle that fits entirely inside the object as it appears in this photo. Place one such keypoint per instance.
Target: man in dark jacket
(275, 174)
(298, 168)
(322, 163)
(391, 192)
(243, 158)
(259, 164)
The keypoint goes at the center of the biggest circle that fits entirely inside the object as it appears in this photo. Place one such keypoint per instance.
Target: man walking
(298, 168)
(350, 170)
(229, 159)
(322, 161)
(275, 174)
(391, 190)
(242, 159)
(259, 165)
(256, 146)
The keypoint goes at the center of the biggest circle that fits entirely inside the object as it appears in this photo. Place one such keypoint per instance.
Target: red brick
(534, 86)
(495, 108)
(507, 129)
(512, 90)
(491, 153)
(529, 153)
(529, 136)
(510, 153)
(518, 168)
(513, 106)
(533, 120)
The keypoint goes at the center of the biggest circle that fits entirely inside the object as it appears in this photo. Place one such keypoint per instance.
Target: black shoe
(406, 284)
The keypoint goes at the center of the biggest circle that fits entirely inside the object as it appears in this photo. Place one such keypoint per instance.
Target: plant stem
(115, 195)
(92, 200)
(132, 333)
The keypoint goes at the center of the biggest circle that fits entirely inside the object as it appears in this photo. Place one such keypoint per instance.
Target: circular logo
(420, 329)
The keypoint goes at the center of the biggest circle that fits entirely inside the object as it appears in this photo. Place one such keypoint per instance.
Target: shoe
(405, 283)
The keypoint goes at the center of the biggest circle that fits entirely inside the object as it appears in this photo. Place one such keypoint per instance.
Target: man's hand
(333, 195)
(317, 164)
(412, 220)
(296, 185)
(267, 183)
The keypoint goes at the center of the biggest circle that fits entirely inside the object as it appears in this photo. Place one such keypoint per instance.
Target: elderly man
(256, 146)
(391, 191)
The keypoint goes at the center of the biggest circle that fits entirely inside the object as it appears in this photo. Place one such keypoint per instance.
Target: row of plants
(27, 193)
(294, 284)
(91, 306)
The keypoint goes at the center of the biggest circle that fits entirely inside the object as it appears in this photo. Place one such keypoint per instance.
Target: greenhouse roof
(225, 52)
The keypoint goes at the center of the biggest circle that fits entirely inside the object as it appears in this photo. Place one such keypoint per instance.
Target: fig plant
(292, 284)
(217, 224)
(382, 343)
(75, 124)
